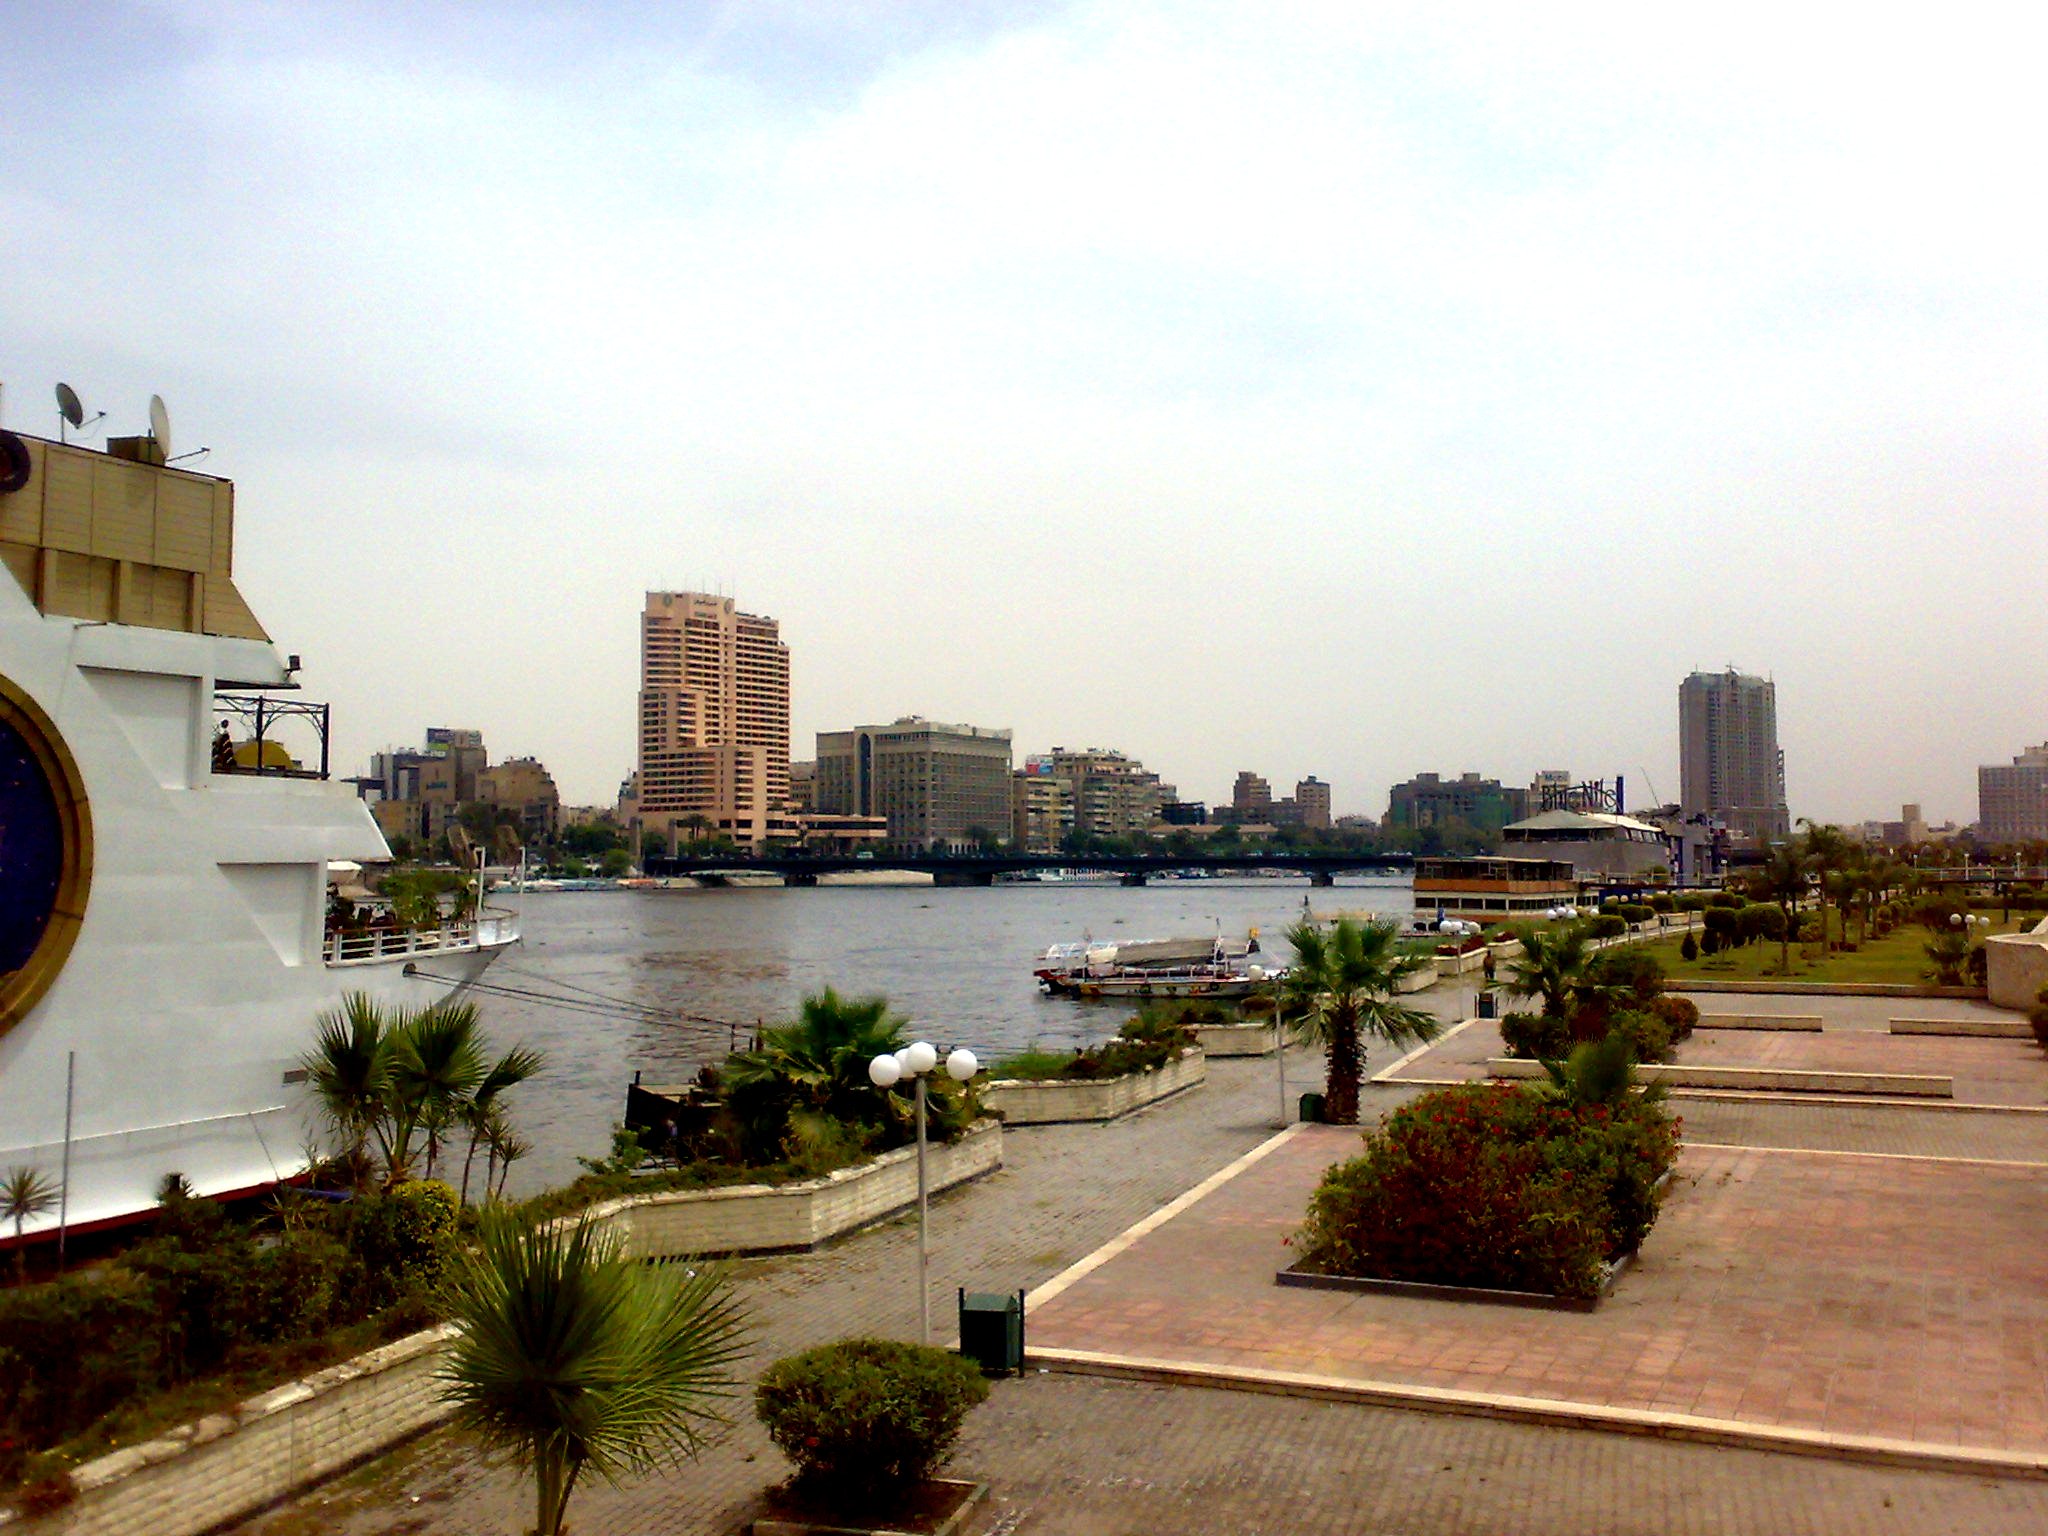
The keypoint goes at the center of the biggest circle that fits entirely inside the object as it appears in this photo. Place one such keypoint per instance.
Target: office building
(1430, 800)
(714, 721)
(1729, 763)
(2012, 802)
(1313, 796)
(1042, 807)
(940, 787)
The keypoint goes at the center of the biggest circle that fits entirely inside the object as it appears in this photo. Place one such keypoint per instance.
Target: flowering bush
(1495, 1186)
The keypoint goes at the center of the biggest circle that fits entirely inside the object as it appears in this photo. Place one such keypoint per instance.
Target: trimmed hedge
(863, 1417)
(1536, 1036)
(1494, 1186)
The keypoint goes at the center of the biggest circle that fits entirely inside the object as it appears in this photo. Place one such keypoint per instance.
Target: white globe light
(903, 1061)
(961, 1065)
(920, 1058)
(1955, 919)
(1256, 972)
(883, 1071)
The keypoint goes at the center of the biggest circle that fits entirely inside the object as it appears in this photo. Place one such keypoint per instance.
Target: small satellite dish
(160, 425)
(69, 405)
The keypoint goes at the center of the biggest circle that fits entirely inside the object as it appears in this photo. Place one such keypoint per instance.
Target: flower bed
(1054, 1102)
(1494, 1187)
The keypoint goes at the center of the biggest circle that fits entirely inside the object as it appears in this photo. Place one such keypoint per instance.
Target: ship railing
(373, 946)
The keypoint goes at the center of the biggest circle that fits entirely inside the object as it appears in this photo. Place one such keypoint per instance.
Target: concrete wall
(1235, 1039)
(222, 1467)
(2016, 968)
(758, 1218)
(1051, 1103)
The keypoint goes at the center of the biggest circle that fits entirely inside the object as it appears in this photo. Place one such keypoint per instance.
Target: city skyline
(1343, 391)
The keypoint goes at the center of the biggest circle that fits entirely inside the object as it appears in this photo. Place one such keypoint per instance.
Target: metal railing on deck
(372, 945)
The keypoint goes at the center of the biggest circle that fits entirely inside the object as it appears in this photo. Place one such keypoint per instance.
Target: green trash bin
(992, 1330)
(1312, 1109)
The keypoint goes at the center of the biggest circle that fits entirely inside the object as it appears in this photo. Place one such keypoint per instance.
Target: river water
(650, 966)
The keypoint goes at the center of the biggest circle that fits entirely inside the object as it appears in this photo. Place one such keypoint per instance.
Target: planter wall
(221, 1468)
(1234, 1039)
(226, 1465)
(760, 1218)
(1060, 1102)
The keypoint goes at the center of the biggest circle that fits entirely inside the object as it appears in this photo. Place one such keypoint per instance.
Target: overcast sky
(1349, 390)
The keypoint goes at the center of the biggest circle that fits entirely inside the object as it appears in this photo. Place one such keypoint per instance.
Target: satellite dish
(69, 405)
(160, 425)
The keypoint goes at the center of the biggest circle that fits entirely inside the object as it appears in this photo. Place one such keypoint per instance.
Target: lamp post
(915, 1061)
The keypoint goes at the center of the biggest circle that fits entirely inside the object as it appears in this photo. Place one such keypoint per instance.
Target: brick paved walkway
(1088, 1457)
(1841, 1294)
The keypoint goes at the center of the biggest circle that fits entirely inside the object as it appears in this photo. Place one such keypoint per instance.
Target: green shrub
(1729, 899)
(1809, 929)
(863, 1416)
(1689, 948)
(2038, 1017)
(1711, 943)
(1720, 925)
(1535, 1036)
(1646, 1032)
(1661, 903)
(1761, 920)
(1681, 1016)
(1691, 901)
(1978, 966)
(1607, 926)
(1634, 911)
(1495, 1186)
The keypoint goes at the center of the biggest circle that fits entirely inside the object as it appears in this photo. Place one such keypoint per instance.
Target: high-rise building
(1729, 763)
(939, 786)
(1431, 800)
(1113, 795)
(2012, 803)
(1313, 796)
(714, 720)
(1250, 796)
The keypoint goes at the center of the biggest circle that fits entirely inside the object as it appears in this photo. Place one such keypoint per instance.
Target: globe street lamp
(916, 1061)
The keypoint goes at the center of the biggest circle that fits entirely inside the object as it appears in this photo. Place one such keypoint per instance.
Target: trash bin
(992, 1330)
(1312, 1109)
(1489, 1008)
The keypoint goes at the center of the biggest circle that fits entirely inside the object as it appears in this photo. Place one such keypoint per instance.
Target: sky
(1342, 389)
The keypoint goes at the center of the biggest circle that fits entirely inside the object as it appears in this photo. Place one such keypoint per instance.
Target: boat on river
(1152, 968)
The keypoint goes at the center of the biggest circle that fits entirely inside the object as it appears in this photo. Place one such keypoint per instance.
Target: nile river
(956, 963)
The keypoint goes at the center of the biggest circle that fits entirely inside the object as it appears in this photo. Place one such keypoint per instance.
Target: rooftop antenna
(160, 426)
(70, 410)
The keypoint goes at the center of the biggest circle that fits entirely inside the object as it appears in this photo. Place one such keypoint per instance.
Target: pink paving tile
(1826, 1292)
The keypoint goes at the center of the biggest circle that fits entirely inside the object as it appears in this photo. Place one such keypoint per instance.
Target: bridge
(798, 867)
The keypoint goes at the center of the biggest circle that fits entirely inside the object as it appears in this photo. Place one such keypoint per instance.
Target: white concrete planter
(1059, 1102)
(1235, 1039)
(763, 1218)
(227, 1465)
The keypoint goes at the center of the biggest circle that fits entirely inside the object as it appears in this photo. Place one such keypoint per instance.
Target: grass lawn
(1898, 958)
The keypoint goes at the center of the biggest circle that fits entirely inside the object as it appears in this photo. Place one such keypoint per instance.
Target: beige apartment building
(1041, 808)
(1113, 795)
(714, 721)
(2012, 803)
(939, 786)
(1313, 796)
(524, 787)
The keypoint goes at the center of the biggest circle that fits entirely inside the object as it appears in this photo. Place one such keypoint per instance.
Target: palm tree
(1601, 1072)
(1344, 984)
(349, 1071)
(437, 1062)
(1828, 852)
(24, 1193)
(1782, 878)
(1550, 966)
(508, 1071)
(573, 1359)
(819, 1061)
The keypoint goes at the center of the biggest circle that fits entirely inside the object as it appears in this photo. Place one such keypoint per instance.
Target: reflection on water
(956, 963)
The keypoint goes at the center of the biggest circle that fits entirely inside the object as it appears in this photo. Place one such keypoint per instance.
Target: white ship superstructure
(164, 943)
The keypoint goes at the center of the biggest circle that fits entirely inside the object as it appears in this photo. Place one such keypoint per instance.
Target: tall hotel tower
(714, 720)
(1729, 762)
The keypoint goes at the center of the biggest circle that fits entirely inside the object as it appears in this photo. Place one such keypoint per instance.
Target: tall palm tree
(1782, 877)
(573, 1359)
(508, 1071)
(1550, 966)
(349, 1071)
(1828, 852)
(1345, 984)
(24, 1193)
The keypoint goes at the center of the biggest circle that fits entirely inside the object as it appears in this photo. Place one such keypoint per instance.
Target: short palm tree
(437, 1060)
(572, 1359)
(24, 1193)
(1550, 966)
(1828, 853)
(1345, 984)
(477, 1110)
(819, 1060)
(349, 1071)
(1601, 1072)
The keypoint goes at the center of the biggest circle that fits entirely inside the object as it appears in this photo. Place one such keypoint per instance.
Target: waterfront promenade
(1082, 1455)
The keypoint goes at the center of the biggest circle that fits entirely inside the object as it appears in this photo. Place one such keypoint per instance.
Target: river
(956, 963)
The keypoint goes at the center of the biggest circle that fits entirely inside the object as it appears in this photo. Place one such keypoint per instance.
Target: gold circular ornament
(45, 853)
